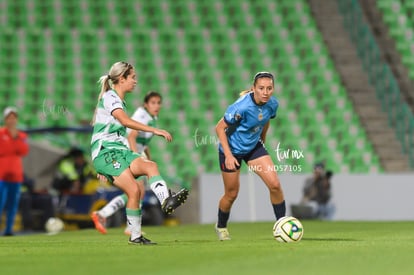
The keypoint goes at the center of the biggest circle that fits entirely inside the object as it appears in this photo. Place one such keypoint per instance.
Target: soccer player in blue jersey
(242, 133)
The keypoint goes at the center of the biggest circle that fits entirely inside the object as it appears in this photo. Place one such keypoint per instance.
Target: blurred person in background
(148, 114)
(75, 174)
(317, 193)
(13, 147)
(36, 206)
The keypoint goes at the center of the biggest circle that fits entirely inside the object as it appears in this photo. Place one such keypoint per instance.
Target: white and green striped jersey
(108, 132)
(141, 115)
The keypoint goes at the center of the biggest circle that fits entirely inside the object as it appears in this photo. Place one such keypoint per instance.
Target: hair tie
(109, 77)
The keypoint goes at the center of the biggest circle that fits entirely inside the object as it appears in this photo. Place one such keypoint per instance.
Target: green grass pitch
(326, 248)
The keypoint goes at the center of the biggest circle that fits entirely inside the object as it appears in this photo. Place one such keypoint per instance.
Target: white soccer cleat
(223, 234)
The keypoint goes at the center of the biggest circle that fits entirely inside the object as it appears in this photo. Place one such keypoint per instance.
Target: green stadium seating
(199, 55)
(398, 15)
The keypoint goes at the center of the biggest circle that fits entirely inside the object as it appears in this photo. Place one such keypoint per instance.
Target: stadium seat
(199, 55)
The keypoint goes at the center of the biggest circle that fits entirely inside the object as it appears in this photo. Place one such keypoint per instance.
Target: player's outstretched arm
(126, 121)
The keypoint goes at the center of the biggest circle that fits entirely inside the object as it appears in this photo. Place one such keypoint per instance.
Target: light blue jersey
(246, 120)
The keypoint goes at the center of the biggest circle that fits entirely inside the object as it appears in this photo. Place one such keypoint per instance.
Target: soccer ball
(54, 225)
(288, 230)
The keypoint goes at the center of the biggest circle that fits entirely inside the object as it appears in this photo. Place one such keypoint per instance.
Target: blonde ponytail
(242, 93)
(104, 82)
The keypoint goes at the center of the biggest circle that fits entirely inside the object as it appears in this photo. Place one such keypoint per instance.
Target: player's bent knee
(141, 167)
(275, 187)
(231, 196)
(152, 165)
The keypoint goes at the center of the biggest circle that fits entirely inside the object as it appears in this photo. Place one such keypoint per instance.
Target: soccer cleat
(174, 201)
(99, 222)
(141, 241)
(223, 234)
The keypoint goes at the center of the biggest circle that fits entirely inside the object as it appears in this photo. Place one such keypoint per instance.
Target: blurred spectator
(75, 174)
(317, 193)
(36, 206)
(13, 146)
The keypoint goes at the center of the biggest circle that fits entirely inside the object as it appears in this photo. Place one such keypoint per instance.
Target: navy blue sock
(279, 209)
(223, 217)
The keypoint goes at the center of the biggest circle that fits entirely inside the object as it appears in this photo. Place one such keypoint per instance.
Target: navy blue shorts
(258, 151)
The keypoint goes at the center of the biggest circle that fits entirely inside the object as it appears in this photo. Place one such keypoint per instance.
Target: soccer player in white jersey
(242, 133)
(138, 142)
(111, 155)
(148, 115)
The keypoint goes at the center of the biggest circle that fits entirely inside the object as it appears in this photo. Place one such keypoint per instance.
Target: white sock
(128, 227)
(159, 187)
(134, 222)
(114, 205)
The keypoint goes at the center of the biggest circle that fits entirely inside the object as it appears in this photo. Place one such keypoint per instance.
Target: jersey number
(109, 156)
